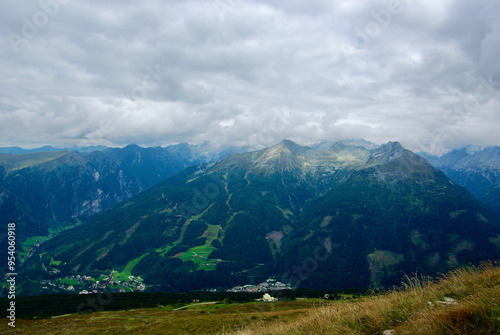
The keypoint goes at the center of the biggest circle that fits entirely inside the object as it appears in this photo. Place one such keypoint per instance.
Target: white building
(267, 298)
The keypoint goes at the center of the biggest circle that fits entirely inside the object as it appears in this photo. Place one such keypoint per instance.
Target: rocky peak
(385, 153)
(286, 155)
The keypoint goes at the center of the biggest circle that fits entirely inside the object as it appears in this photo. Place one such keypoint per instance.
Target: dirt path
(201, 303)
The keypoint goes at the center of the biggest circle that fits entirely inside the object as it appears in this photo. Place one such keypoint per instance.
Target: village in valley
(114, 282)
(83, 284)
(121, 282)
(269, 285)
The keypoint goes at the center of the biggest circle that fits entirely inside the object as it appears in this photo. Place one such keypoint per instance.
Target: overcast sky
(240, 72)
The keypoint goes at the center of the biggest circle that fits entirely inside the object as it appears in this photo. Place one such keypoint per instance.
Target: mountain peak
(386, 152)
(392, 145)
(291, 146)
(286, 155)
(132, 147)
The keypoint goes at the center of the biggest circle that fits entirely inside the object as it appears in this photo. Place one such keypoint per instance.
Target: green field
(69, 281)
(31, 241)
(128, 268)
(200, 254)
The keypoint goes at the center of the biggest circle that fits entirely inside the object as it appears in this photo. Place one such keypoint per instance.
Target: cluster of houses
(211, 262)
(83, 284)
(31, 251)
(269, 285)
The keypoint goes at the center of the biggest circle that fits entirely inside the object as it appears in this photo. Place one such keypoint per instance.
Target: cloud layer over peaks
(238, 72)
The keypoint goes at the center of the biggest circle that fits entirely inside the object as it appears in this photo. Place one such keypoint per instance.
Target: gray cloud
(251, 73)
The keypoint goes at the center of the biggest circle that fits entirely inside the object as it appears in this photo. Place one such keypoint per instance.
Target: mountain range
(343, 215)
(60, 188)
(45, 192)
(57, 188)
(476, 170)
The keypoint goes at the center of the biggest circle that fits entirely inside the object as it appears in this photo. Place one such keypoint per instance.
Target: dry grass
(207, 319)
(407, 311)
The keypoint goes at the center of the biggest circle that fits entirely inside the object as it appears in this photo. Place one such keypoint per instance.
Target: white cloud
(230, 71)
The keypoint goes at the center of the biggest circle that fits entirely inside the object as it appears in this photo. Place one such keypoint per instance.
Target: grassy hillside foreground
(466, 301)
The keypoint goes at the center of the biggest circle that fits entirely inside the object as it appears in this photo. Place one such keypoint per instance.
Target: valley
(349, 216)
